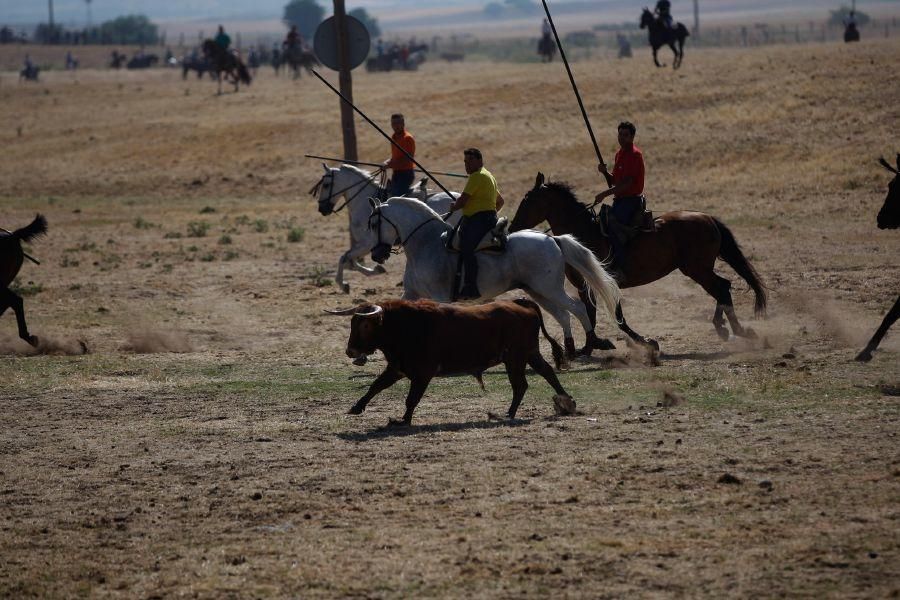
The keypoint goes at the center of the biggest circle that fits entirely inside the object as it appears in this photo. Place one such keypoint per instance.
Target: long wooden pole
(562, 54)
(369, 164)
(346, 82)
(381, 131)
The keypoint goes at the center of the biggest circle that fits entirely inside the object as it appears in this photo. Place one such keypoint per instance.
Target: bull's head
(365, 328)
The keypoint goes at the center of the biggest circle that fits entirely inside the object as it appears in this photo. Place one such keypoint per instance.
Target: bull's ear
(341, 312)
(324, 167)
(539, 180)
(373, 202)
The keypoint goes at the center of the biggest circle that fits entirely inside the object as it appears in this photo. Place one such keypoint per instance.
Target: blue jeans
(400, 183)
(471, 231)
(623, 211)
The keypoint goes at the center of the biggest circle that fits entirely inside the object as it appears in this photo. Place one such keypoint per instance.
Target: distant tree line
(130, 29)
(308, 14)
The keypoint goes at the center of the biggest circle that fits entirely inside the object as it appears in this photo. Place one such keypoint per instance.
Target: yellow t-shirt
(482, 190)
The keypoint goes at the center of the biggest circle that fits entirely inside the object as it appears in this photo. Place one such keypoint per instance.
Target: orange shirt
(399, 162)
(629, 164)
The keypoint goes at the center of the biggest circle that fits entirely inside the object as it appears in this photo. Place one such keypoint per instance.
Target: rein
(380, 172)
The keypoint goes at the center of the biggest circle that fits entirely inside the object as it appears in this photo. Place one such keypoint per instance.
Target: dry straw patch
(230, 469)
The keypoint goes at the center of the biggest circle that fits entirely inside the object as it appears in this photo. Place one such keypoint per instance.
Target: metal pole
(50, 4)
(562, 55)
(346, 82)
(386, 136)
(696, 31)
(368, 164)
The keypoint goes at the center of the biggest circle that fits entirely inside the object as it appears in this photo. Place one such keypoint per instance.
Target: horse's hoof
(654, 344)
(750, 334)
(603, 344)
(32, 340)
(397, 423)
(84, 347)
(864, 356)
(585, 351)
(345, 287)
(355, 410)
(723, 333)
(380, 269)
(360, 360)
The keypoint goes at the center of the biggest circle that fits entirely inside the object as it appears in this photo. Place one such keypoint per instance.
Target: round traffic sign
(358, 43)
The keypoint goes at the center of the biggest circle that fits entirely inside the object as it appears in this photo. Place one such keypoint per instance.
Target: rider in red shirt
(626, 185)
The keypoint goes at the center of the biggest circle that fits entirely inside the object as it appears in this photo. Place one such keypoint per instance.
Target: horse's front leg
(655, 59)
(11, 300)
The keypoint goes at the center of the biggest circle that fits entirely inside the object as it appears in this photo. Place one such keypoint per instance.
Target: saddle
(493, 241)
(643, 222)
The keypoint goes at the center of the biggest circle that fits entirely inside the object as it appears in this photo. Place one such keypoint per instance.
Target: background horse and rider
(888, 218)
(661, 35)
(225, 63)
(296, 57)
(688, 241)
(11, 258)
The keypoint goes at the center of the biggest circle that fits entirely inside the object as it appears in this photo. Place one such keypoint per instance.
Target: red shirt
(629, 164)
(399, 162)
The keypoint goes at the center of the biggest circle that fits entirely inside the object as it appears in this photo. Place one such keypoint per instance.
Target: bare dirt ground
(201, 448)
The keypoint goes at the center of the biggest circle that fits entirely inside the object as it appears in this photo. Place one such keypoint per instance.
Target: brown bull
(423, 339)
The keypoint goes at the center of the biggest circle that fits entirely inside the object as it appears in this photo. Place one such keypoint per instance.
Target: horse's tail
(591, 269)
(683, 30)
(730, 252)
(37, 228)
(243, 73)
(555, 348)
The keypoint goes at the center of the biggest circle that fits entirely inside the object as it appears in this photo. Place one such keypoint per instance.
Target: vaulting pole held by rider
(386, 136)
(369, 164)
(562, 54)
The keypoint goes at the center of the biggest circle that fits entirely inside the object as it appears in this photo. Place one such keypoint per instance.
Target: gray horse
(533, 261)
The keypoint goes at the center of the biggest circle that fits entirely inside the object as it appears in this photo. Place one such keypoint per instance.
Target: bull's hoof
(345, 287)
(356, 410)
(864, 356)
(586, 350)
(84, 347)
(723, 333)
(379, 269)
(397, 423)
(360, 360)
(563, 405)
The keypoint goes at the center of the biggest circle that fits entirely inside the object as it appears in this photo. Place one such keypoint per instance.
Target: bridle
(375, 220)
(314, 191)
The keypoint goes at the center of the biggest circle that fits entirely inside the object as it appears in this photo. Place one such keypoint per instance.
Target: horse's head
(324, 189)
(889, 215)
(533, 207)
(385, 230)
(646, 18)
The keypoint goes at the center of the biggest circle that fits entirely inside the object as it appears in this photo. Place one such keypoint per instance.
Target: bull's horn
(887, 165)
(341, 312)
(374, 311)
(324, 167)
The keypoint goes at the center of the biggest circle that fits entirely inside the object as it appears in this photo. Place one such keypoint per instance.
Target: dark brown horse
(222, 62)
(684, 240)
(888, 218)
(11, 258)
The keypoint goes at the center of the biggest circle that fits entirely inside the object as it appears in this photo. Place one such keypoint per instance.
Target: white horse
(532, 261)
(356, 186)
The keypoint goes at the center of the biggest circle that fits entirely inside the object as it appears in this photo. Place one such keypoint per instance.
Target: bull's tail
(555, 348)
(37, 228)
(599, 281)
(731, 253)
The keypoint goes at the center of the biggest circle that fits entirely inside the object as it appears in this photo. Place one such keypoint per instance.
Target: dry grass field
(201, 449)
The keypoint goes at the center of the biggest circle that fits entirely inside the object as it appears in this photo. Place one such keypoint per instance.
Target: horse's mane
(567, 191)
(416, 205)
(365, 174)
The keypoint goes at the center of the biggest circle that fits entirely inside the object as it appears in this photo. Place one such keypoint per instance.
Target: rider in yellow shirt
(479, 202)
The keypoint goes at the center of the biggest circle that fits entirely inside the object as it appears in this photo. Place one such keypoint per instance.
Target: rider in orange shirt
(403, 168)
